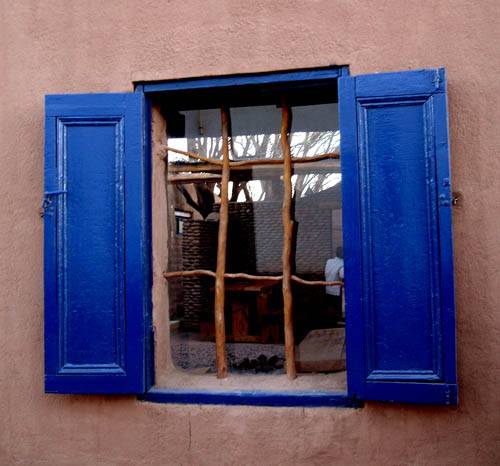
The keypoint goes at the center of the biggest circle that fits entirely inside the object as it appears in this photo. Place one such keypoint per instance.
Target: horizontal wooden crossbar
(294, 278)
(164, 149)
(246, 276)
(247, 163)
(252, 162)
(194, 178)
(255, 171)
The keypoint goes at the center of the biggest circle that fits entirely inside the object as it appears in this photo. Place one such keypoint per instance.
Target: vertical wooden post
(161, 240)
(287, 241)
(220, 331)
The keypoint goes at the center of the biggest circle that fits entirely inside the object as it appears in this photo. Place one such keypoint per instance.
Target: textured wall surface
(95, 46)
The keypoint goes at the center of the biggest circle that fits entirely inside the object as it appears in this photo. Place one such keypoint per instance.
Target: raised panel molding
(381, 187)
(96, 247)
(71, 314)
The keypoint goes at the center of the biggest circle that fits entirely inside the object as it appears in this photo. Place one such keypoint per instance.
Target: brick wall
(255, 238)
(199, 250)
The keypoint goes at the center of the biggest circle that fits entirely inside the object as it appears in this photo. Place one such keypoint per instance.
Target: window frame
(396, 165)
(230, 397)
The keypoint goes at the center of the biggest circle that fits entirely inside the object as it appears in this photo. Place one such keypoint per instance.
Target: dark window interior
(254, 307)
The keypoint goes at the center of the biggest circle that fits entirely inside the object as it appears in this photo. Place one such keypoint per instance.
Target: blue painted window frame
(233, 397)
(430, 84)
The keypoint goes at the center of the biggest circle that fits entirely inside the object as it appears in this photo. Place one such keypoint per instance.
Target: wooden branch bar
(287, 242)
(194, 168)
(220, 331)
(188, 273)
(247, 276)
(214, 165)
(315, 282)
(256, 172)
(194, 178)
(190, 154)
(254, 162)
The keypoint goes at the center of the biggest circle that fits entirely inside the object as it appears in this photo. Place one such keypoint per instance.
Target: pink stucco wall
(77, 46)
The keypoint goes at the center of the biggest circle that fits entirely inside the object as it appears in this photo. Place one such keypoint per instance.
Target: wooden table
(241, 311)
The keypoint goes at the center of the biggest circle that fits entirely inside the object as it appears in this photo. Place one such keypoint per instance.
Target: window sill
(252, 398)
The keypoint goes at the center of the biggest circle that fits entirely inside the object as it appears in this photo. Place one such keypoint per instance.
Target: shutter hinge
(46, 205)
(438, 79)
(447, 199)
(444, 200)
(451, 395)
(455, 200)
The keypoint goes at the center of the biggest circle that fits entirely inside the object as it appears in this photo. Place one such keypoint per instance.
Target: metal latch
(46, 205)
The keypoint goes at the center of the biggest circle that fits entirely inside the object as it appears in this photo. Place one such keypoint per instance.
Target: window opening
(268, 156)
(180, 217)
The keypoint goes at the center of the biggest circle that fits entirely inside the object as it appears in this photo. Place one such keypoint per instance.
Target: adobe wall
(60, 46)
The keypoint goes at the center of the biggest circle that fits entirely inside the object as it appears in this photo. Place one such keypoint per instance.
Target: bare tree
(260, 146)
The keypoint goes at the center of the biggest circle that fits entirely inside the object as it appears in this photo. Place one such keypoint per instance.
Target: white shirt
(334, 271)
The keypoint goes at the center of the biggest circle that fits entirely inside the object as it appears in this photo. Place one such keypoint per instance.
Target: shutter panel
(95, 244)
(397, 237)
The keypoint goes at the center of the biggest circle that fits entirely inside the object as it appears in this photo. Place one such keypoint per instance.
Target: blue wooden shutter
(397, 237)
(95, 244)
